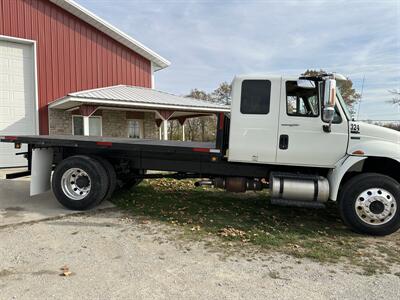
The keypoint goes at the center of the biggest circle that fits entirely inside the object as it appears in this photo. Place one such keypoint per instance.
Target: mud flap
(42, 162)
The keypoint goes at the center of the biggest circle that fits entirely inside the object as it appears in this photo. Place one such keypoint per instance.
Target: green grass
(248, 220)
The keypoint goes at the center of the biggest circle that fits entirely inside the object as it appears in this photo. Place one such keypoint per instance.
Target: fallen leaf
(195, 228)
(65, 271)
(231, 232)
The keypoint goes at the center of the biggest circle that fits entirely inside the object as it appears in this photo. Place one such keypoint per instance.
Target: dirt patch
(141, 258)
(5, 272)
(11, 212)
(45, 272)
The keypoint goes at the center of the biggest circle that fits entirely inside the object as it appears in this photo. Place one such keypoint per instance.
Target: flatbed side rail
(114, 144)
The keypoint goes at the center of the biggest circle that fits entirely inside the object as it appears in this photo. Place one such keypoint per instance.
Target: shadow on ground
(17, 207)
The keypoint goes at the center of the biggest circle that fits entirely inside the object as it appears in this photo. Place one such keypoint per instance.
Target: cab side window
(337, 119)
(255, 97)
(301, 102)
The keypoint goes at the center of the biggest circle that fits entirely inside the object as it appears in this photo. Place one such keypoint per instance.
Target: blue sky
(208, 42)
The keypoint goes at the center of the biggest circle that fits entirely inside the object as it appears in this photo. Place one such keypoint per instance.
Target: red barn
(53, 53)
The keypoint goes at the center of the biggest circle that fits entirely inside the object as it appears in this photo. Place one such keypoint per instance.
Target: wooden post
(165, 115)
(86, 111)
(158, 123)
(165, 127)
(181, 121)
(85, 125)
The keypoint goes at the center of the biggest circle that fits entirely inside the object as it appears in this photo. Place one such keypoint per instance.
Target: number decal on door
(354, 128)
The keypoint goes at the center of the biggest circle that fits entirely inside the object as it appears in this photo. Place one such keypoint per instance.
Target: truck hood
(374, 140)
(379, 132)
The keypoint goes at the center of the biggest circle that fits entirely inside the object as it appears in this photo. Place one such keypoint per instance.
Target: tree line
(201, 128)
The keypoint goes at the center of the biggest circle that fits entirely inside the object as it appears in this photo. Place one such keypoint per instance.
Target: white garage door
(17, 98)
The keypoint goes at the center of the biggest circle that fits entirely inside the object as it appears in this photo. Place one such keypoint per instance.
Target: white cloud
(209, 42)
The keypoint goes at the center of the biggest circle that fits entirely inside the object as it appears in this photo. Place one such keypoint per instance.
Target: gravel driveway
(114, 257)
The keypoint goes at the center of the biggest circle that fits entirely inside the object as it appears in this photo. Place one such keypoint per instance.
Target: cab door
(254, 114)
(301, 139)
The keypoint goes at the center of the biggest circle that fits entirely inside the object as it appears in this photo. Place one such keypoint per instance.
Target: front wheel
(370, 204)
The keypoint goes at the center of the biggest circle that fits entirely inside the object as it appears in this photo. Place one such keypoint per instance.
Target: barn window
(95, 126)
(135, 129)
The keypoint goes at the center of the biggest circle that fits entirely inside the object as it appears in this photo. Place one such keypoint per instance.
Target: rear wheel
(112, 176)
(80, 182)
(370, 204)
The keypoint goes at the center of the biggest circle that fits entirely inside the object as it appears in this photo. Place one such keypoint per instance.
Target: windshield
(343, 105)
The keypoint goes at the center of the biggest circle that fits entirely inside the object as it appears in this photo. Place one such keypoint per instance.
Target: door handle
(290, 125)
(283, 142)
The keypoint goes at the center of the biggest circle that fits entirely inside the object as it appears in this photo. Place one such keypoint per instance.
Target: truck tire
(80, 182)
(370, 204)
(112, 176)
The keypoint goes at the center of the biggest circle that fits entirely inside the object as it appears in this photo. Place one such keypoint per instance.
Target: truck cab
(283, 121)
(301, 125)
(276, 121)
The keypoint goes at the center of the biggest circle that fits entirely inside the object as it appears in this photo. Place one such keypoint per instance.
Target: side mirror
(306, 84)
(329, 97)
(328, 114)
(329, 100)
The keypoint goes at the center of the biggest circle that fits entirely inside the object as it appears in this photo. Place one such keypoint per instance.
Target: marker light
(358, 152)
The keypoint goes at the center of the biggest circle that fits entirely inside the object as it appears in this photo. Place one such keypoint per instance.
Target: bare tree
(190, 130)
(348, 92)
(199, 94)
(201, 128)
(222, 94)
(392, 124)
(396, 96)
(174, 130)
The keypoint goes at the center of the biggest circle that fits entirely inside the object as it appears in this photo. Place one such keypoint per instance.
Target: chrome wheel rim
(376, 206)
(76, 184)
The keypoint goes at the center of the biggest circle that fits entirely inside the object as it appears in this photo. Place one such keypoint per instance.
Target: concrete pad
(16, 206)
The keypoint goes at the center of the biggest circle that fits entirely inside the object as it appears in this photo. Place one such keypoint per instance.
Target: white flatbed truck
(291, 135)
